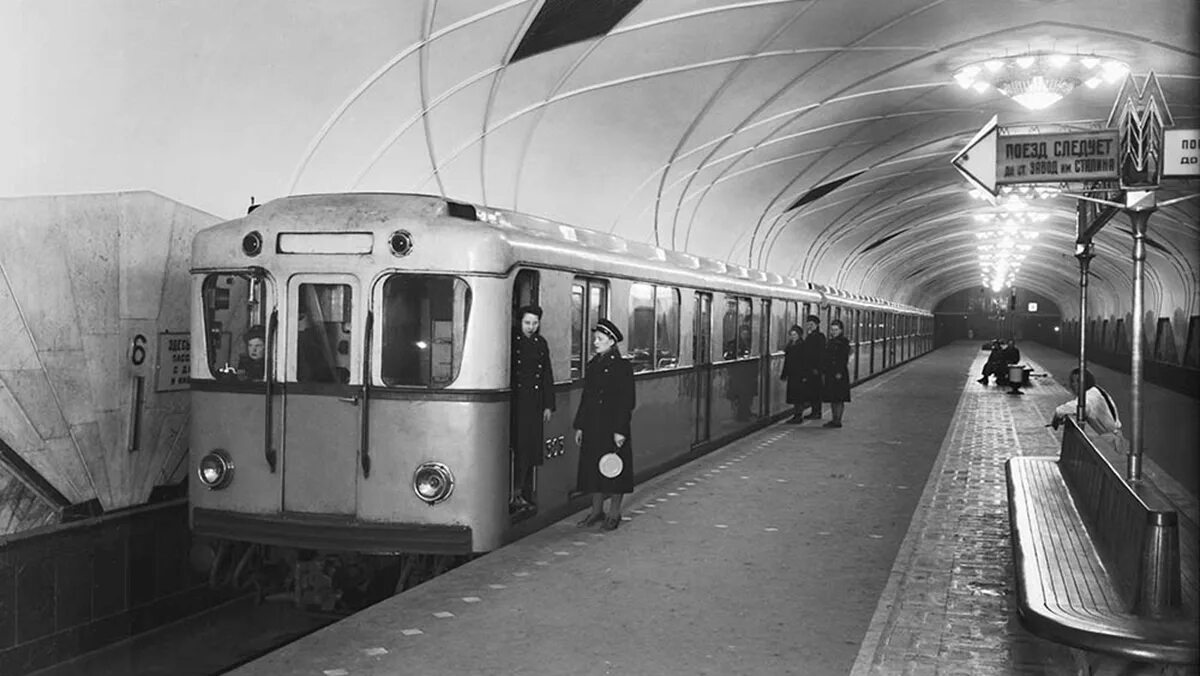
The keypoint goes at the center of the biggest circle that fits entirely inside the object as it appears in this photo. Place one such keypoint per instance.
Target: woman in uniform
(602, 428)
(836, 389)
(532, 403)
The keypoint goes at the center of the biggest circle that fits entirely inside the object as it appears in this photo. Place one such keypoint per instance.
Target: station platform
(879, 548)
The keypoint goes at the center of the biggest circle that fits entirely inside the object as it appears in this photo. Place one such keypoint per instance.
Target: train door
(321, 407)
(702, 358)
(764, 350)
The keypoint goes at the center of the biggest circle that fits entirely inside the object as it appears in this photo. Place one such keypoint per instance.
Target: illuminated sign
(1055, 158)
(1181, 152)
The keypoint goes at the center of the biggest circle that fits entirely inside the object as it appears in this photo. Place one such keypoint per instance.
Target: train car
(350, 385)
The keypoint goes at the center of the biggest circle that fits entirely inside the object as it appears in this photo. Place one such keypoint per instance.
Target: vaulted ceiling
(699, 125)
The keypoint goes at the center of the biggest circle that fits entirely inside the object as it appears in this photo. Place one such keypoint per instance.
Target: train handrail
(364, 450)
(268, 362)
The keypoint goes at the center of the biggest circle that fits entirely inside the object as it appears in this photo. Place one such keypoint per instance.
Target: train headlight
(252, 243)
(401, 242)
(433, 482)
(215, 470)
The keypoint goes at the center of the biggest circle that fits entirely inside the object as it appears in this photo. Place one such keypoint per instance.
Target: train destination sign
(1181, 152)
(993, 158)
(1057, 158)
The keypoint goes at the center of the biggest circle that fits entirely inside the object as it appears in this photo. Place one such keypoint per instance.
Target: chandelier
(1040, 79)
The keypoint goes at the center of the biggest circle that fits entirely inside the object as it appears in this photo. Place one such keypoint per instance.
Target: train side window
(640, 341)
(235, 305)
(666, 341)
(738, 332)
(589, 304)
(424, 329)
(653, 327)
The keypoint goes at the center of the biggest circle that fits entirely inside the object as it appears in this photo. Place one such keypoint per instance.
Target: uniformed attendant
(812, 352)
(793, 374)
(836, 369)
(602, 427)
(532, 382)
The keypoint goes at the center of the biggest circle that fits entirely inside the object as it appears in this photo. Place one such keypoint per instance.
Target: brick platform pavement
(949, 606)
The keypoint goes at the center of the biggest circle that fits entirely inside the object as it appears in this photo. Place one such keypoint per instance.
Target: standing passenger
(837, 372)
(532, 382)
(793, 374)
(812, 353)
(602, 428)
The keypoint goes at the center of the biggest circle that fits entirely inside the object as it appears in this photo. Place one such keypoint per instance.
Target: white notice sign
(1181, 152)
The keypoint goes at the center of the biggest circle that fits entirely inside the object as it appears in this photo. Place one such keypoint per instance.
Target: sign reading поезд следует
(1074, 156)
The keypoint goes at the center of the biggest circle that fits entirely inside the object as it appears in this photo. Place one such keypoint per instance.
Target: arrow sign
(995, 157)
(977, 162)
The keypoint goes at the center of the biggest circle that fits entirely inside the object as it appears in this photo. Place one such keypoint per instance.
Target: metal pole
(1083, 252)
(1138, 217)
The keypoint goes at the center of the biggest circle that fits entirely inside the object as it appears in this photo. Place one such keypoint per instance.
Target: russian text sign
(1181, 152)
(1057, 158)
(174, 361)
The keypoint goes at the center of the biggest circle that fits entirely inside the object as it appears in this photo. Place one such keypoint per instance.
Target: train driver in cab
(532, 382)
(251, 365)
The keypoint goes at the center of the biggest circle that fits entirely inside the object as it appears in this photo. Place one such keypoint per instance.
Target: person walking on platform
(1100, 409)
(602, 428)
(793, 375)
(532, 382)
(812, 353)
(835, 368)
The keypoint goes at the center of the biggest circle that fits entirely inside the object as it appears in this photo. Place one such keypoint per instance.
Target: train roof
(516, 238)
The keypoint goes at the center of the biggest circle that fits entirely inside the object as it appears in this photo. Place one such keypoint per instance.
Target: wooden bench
(1098, 561)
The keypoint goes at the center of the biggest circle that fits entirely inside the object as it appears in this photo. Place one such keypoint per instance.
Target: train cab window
(738, 328)
(323, 313)
(589, 304)
(423, 330)
(236, 305)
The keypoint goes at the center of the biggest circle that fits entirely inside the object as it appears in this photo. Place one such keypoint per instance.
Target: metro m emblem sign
(1139, 115)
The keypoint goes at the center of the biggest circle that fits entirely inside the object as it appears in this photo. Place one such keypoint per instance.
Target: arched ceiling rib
(697, 124)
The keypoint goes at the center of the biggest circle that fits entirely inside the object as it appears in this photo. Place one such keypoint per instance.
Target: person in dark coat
(792, 373)
(812, 353)
(836, 371)
(602, 428)
(532, 381)
(251, 365)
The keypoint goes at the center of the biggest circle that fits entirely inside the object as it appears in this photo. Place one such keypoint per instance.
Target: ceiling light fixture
(1038, 80)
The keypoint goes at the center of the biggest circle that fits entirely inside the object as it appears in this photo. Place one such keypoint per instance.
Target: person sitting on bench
(1100, 409)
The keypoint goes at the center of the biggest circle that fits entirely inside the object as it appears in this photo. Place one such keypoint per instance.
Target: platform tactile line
(949, 605)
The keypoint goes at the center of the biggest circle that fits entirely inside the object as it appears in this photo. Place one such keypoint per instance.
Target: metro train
(376, 421)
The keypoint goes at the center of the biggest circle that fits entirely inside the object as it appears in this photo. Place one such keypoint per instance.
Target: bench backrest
(1135, 539)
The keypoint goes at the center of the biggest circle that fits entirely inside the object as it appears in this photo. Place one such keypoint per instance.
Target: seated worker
(1100, 409)
(251, 365)
(994, 364)
(999, 360)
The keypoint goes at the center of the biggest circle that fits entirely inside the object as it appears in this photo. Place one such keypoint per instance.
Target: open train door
(702, 358)
(321, 395)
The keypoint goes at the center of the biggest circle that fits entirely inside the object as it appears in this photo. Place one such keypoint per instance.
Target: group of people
(817, 370)
(602, 422)
(999, 359)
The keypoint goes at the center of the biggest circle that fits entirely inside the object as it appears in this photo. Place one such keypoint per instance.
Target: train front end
(348, 376)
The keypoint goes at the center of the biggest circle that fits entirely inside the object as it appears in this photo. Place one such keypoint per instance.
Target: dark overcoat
(836, 371)
(793, 373)
(812, 354)
(606, 408)
(532, 382)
